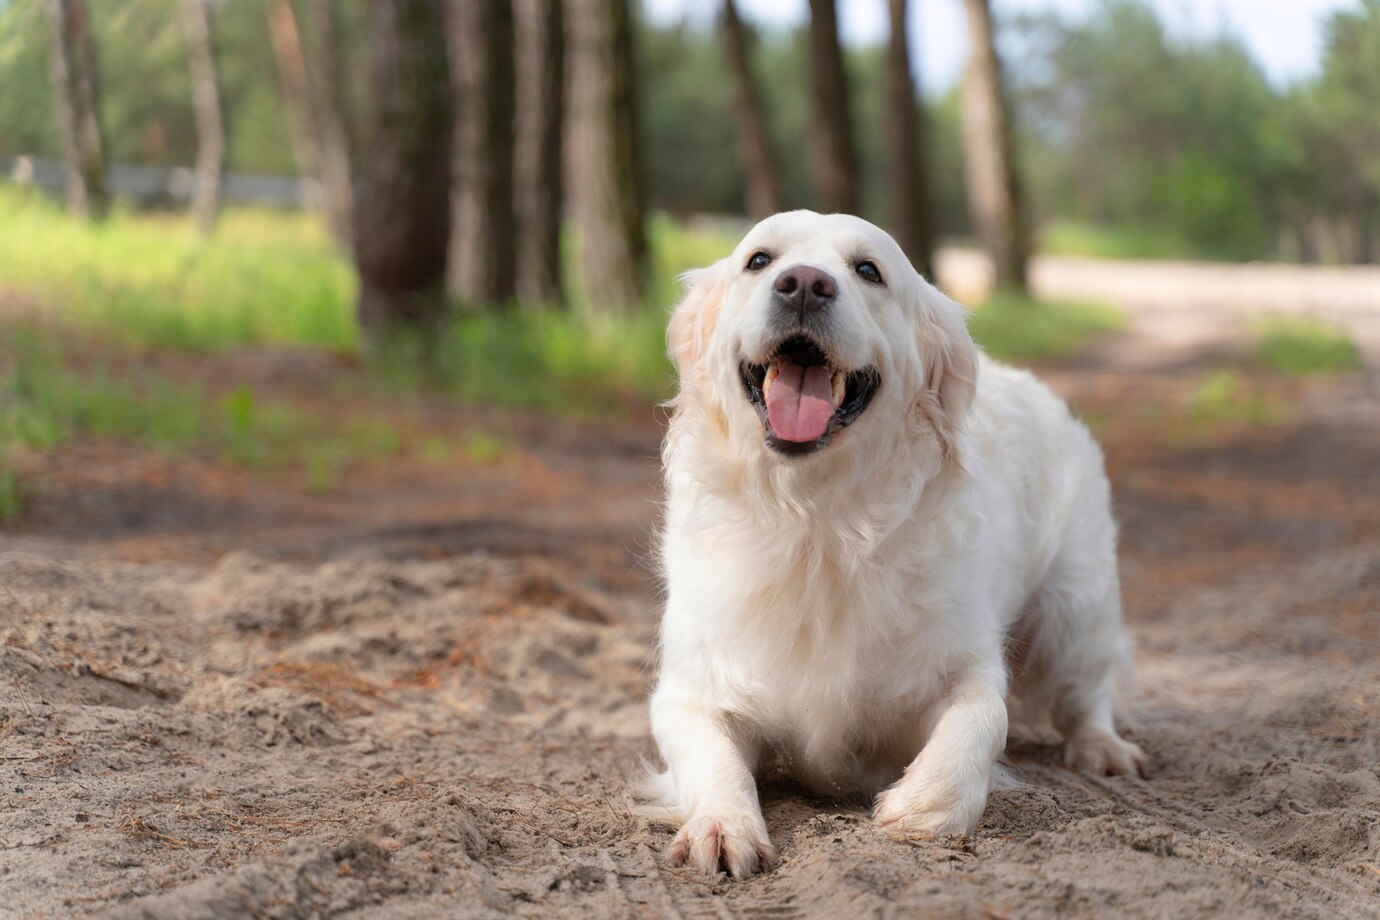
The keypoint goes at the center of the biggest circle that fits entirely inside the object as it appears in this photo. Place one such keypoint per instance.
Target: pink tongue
(800, 402)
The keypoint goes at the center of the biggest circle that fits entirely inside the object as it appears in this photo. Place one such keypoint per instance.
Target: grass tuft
(560, 361)
(1305, 346)
(1224, 397)
(45, 401)
(267, 277)
(1095, 241)
(11, 491)
(272, 278)
(1019, 329)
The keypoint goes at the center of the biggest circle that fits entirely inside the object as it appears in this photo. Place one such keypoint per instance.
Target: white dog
(873, 535)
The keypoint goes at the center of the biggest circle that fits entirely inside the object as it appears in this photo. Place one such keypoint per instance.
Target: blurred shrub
(1017, 329)
(266, 277)
(1223, 397)
(1086, 240)
(1305, 346)
(47, 397)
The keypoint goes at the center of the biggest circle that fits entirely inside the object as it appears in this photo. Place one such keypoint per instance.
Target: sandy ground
(1188, 308)
(425, 695)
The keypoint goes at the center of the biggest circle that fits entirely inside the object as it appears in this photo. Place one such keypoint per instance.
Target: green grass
(45, 402)
(272, 277)
(148, 282)
(1072, 238)
(1224, 397)
(483, 447)
(1224, 400)
(149, 279)
(11, 491)
(1304, 346)
(1018, 329)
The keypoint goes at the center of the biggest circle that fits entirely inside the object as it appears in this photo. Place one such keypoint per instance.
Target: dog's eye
(868, 271)
(759, 261)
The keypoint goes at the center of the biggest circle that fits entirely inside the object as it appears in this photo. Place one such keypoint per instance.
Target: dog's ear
(949, 361)
(693, 319)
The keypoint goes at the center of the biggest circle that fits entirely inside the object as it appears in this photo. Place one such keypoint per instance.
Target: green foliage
(1122, 124)
(142, 63)
(687, 133)
(1078, 238)
(46, 400)
(573, 361)
(1128, 127)
(11, 494)
(267, 277)
(483, 447)
(556, 361)
(145, 281)
(1224, 397)
(271, 277)
(1016, 329)
(27, 124)
(1305, 346)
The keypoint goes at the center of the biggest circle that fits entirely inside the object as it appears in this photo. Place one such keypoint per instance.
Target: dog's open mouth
(803, 398)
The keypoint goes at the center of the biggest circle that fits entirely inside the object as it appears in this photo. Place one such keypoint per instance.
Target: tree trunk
(540, 115)
(911, 216)
(292, 78)
(404, 205)
(761, 180)
(1363, 246)
(485, 243)
(605, 193)
(334, 159)
(76, 94)
(1305, 225)
(307, 145)
(210, 125)
(994, 193)
(836, 166)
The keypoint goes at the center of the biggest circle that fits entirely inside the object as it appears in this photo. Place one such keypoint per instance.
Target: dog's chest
(842, 737)
(838, 673)
(829, 650)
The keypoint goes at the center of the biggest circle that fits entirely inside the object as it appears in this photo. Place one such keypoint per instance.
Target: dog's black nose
(803, 289)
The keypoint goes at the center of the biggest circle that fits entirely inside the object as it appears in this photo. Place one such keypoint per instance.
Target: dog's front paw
(1104, 754)
(917, 808)
(734, 841)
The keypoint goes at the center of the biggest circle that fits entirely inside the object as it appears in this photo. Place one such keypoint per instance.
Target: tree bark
(334, 159)
(540, 126)
(404, 205)
(605, 191)
(210, 124)
(76, 93)
(836, 165)
(994, 191)
(1363, 246)
(304, 124)
(911, 216)
(292, 79)
(762, 182)
(485, 244)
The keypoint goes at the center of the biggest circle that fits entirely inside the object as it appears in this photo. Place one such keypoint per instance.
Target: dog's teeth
(767, 381)
(840, 384)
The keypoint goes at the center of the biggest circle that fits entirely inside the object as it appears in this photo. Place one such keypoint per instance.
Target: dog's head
(816, 330)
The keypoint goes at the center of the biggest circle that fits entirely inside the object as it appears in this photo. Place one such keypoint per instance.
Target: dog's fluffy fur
(857, 618)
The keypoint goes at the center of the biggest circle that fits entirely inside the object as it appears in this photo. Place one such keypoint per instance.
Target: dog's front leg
(944, 790)
(711, 778)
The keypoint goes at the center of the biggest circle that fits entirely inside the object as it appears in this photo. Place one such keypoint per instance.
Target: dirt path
(425, 695)
(1182, 310)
